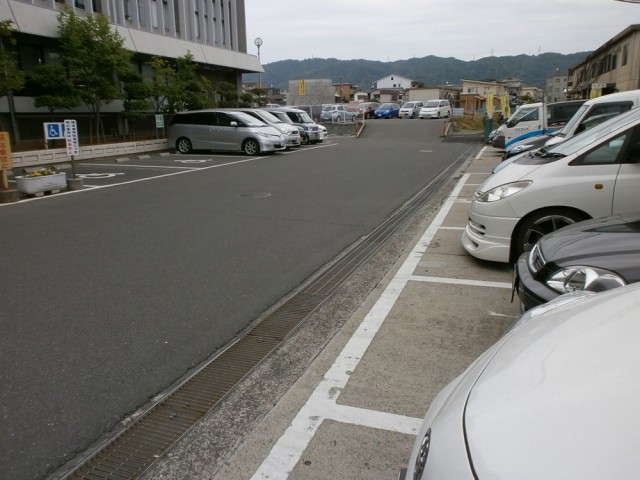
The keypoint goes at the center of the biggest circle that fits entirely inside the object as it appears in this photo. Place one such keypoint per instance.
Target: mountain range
(430, 70)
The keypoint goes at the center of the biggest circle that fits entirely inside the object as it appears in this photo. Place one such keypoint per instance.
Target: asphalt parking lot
(355, 412)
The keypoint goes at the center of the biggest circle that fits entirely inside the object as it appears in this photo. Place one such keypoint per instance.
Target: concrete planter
(41, 184)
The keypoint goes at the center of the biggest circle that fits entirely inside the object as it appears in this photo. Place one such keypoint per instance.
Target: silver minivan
(217, 129)
(290, 131)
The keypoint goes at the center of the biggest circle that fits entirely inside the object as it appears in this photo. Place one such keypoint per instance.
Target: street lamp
(258, 43)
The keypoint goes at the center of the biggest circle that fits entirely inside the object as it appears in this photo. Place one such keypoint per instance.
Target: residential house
(392, 88)
(555, 89)
(448, 92)
(475, 93)
(613, 67)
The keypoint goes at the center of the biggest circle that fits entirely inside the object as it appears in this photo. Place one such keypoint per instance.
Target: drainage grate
(132, 452)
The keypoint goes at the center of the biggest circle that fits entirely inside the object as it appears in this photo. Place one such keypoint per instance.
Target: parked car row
(339, 113)
(414, 109)
(567, 369)
(590, 175)
(249, 130)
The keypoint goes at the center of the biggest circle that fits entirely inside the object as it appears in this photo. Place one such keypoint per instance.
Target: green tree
(188, 90)
(95, 57)
(162, 77)
(246, 100)
(136, 101)
(11, 78)
(228, 94)
(259, 96)
(52, 88)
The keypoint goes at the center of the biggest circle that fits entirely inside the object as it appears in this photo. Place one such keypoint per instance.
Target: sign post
(159, 124)
(73, 149)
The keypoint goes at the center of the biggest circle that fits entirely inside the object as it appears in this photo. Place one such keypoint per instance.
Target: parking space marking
(289, 448)
(168, 167)
(459, 281)
(183, 170)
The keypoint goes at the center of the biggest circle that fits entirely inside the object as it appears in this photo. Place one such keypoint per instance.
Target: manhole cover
(256, 195)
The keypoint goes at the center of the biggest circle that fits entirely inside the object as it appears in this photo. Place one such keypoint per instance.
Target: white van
(594, 174)
(594, 109)
(435, 109)
(410, 109)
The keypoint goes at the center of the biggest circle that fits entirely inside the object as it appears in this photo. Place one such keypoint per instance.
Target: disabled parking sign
(53, 131)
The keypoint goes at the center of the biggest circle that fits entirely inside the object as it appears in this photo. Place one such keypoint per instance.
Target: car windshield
(247, 119)
(269, 117)
(432, 103)
(523, 114)
(282, 116)
(572, 121)
(387, 105)
(327, 108)
(578, 142)
(409, 105)
(302, 117)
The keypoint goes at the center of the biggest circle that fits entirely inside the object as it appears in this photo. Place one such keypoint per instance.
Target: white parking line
(322, 405)
(460, 281)
(166, 167)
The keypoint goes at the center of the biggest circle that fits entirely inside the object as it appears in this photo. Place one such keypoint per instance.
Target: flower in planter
(42, 172)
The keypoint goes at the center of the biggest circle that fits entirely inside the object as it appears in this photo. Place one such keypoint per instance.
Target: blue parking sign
(54, 131)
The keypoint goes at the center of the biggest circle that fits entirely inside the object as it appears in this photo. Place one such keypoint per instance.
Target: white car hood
(511, 173)
(560, 398)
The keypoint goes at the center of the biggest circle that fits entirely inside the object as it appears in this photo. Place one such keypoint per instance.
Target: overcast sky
(389, 30)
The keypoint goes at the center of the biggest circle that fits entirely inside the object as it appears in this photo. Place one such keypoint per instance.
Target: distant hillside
(431, 71)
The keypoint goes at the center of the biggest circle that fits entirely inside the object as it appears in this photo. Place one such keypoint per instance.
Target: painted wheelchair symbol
(98, 175)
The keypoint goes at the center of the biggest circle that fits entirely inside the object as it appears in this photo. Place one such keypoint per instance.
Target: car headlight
(269, 135)
(593, 279)
(498, 133)
(421, 459)
(503, 191)
(520, 148)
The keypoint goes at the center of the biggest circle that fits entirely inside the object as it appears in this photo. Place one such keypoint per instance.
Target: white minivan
(592, 110)
(594, 174)
(435, 109)
(410, 109)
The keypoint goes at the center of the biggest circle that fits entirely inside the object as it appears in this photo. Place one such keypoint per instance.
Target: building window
(625, 54)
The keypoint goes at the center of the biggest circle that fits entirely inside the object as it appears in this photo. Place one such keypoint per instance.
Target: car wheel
(535, 226)
(413, 115)
(438, 115)
(183, 145)
(251, 147)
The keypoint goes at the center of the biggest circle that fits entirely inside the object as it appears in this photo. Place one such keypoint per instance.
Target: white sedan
(555, 398)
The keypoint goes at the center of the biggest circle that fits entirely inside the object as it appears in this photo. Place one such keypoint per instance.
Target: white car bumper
(488, 237)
